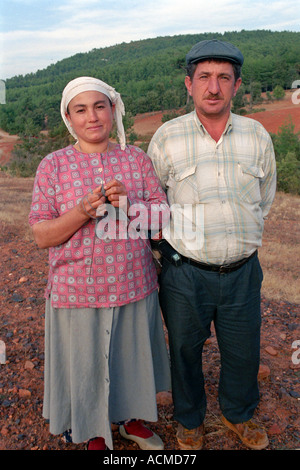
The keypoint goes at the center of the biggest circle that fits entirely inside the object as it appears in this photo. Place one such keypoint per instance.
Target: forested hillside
(148, 73)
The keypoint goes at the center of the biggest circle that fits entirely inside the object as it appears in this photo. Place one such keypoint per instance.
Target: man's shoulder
(247, 123)
(175, 124)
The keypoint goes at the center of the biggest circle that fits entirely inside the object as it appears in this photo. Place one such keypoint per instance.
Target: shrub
(278, 92)
(288, 174)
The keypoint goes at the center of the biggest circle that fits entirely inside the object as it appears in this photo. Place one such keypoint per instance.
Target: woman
(105, 354)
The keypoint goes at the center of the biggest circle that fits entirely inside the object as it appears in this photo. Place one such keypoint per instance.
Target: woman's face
(91, 116)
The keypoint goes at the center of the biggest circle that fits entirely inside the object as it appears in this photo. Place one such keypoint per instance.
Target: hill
(279, 117)
(148, 73)
(271, 114)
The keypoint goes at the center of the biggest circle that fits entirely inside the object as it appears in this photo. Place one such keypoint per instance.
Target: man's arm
(268, 183)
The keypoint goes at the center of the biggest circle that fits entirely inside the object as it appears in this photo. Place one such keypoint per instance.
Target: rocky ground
(23, 278)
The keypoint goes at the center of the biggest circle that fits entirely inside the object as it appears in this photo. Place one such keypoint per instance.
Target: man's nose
(213, 85)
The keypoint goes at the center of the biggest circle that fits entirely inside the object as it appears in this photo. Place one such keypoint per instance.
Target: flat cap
(214, 49)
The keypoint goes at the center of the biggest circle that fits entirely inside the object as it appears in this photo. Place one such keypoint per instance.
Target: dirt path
(7, 143)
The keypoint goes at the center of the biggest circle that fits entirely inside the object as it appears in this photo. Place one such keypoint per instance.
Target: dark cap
(214, 49)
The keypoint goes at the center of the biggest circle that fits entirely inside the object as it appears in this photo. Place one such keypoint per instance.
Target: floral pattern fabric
(88, 271)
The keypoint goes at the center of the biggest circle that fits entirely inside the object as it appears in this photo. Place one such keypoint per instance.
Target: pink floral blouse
(90, 270)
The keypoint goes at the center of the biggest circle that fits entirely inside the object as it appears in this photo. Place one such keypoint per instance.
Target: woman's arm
(53, 232)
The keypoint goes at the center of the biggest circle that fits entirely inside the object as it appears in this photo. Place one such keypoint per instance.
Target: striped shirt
(219, 192)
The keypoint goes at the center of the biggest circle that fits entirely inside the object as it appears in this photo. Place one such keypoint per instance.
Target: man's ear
(237, 86)
(188, 84)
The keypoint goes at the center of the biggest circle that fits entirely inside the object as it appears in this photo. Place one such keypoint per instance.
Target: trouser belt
(226, 268)
(175, 258)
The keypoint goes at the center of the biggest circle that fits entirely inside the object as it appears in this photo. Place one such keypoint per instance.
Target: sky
(37, 33)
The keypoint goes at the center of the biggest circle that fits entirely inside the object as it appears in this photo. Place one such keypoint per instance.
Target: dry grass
(15, 200)
(279, 255)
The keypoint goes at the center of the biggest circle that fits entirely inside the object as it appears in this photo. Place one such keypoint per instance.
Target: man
(218, 170)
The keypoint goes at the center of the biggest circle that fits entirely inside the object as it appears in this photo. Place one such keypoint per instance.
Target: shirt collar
(229, 125)
(203, 131)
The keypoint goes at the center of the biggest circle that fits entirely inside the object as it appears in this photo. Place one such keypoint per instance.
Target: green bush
(27, 155)
(288, 174)
(278, 92)
(287, 151)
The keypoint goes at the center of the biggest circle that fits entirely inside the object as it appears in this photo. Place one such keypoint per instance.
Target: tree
(278, 92)
(239, 101)
(255, 93)
(286, 141)
(287, 151)
(288, 174)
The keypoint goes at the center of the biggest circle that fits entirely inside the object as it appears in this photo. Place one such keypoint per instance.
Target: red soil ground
(23, 274)
(272, 116)
(7, 143)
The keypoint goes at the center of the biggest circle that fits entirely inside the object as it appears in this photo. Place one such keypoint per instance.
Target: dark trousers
(191, 299)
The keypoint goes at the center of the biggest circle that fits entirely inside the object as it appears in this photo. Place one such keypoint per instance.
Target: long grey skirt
(103, 366)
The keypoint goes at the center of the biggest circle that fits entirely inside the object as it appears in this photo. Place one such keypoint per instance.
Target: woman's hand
(116, 193)
(91, 201)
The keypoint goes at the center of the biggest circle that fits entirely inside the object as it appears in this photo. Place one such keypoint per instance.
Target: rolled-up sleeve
(43, 205)
(268, 182)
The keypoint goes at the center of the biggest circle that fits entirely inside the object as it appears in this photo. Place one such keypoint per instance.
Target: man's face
(212, 88)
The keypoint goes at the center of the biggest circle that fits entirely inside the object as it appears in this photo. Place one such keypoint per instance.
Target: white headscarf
(81, 84)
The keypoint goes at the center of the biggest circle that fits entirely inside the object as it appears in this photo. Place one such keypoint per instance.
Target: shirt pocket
(249, 179)
(183, 186)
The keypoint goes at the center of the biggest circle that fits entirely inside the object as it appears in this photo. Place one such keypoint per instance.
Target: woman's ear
(68, 117)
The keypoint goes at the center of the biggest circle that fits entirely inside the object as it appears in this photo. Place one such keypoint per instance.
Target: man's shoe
(190, 439)
(146, 439)
(252, 435)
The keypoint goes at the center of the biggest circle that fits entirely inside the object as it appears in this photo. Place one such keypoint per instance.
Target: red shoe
(146, 439)
(98, 443)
